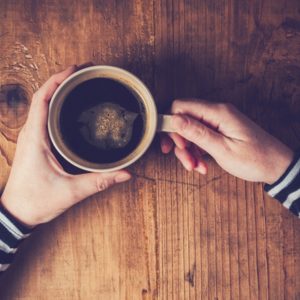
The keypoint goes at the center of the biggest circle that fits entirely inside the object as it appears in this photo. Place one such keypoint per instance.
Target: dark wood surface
(167, 234)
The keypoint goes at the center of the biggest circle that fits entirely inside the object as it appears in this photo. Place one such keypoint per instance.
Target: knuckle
(184, 124)
(102, 184)
(224, 149)
(226, 107)
(221, 106)
(200, 132)
(176, 105)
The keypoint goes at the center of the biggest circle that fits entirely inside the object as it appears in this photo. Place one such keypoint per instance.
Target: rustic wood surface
(167, 234)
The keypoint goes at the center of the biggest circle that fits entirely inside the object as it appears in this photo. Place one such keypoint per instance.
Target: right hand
(237, 144)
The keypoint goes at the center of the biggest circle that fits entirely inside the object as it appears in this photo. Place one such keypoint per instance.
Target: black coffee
(88, 95)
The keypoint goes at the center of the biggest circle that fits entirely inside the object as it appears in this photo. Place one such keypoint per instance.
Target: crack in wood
(199, 186)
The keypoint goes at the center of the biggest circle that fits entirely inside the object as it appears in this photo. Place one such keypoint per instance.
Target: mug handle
(164, 123)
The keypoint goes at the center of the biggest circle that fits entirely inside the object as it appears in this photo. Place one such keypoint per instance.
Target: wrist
(16, 216)
(280, 164)
(12, 233)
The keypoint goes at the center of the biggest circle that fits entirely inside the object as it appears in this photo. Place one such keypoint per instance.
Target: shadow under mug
(154, 122)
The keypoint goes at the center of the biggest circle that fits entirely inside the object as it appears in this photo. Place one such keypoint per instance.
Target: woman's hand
(38, 189)
(237, 144)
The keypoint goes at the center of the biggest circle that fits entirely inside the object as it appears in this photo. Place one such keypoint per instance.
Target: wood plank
(167, 234)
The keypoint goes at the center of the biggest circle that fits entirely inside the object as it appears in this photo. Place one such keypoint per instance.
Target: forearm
(287, 188)
(12, 233)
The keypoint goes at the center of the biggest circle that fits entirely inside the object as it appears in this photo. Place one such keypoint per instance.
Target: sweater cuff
(12, 232)
(287, 188)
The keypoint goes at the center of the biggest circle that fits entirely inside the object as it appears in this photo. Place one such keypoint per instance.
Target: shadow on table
(28, 255)
(268, 93)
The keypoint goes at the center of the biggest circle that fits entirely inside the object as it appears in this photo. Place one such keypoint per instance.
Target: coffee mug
(154, 122)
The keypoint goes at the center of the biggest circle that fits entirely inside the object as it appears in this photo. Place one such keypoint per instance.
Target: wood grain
(168, 234)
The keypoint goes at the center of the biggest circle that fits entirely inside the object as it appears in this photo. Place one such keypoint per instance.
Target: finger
(179, 141)
(166, 143)
(201, 165)
(185, 157)
(39, 107)
(203, 110)
(198, 133)
(88, 184)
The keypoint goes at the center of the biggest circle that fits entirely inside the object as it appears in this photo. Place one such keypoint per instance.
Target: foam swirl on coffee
(107, 125)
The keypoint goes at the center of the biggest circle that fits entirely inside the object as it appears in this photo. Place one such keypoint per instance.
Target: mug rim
(124, 77)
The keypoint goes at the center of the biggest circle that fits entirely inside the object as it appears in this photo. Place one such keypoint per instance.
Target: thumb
(198, 133)
(88, 184)
(38, 111)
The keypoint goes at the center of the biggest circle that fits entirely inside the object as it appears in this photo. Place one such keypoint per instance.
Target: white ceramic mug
(154, 122)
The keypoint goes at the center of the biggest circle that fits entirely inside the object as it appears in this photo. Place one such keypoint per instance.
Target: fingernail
(85, 65)
(201, 169)
(188, 166)
(122, 177)
(164, 149)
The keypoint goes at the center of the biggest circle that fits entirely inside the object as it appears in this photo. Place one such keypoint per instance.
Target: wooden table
(167, 234)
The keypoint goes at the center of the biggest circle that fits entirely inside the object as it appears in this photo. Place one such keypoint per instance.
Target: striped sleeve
(12, 232)
(287, 188)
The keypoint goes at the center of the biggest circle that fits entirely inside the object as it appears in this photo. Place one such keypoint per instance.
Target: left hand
(38, 189)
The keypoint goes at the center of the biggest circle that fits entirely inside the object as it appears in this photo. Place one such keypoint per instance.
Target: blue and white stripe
(287, 188)
(4, 267)
(5, 248)
(11, 227)
(11, 235)
(286, 181)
